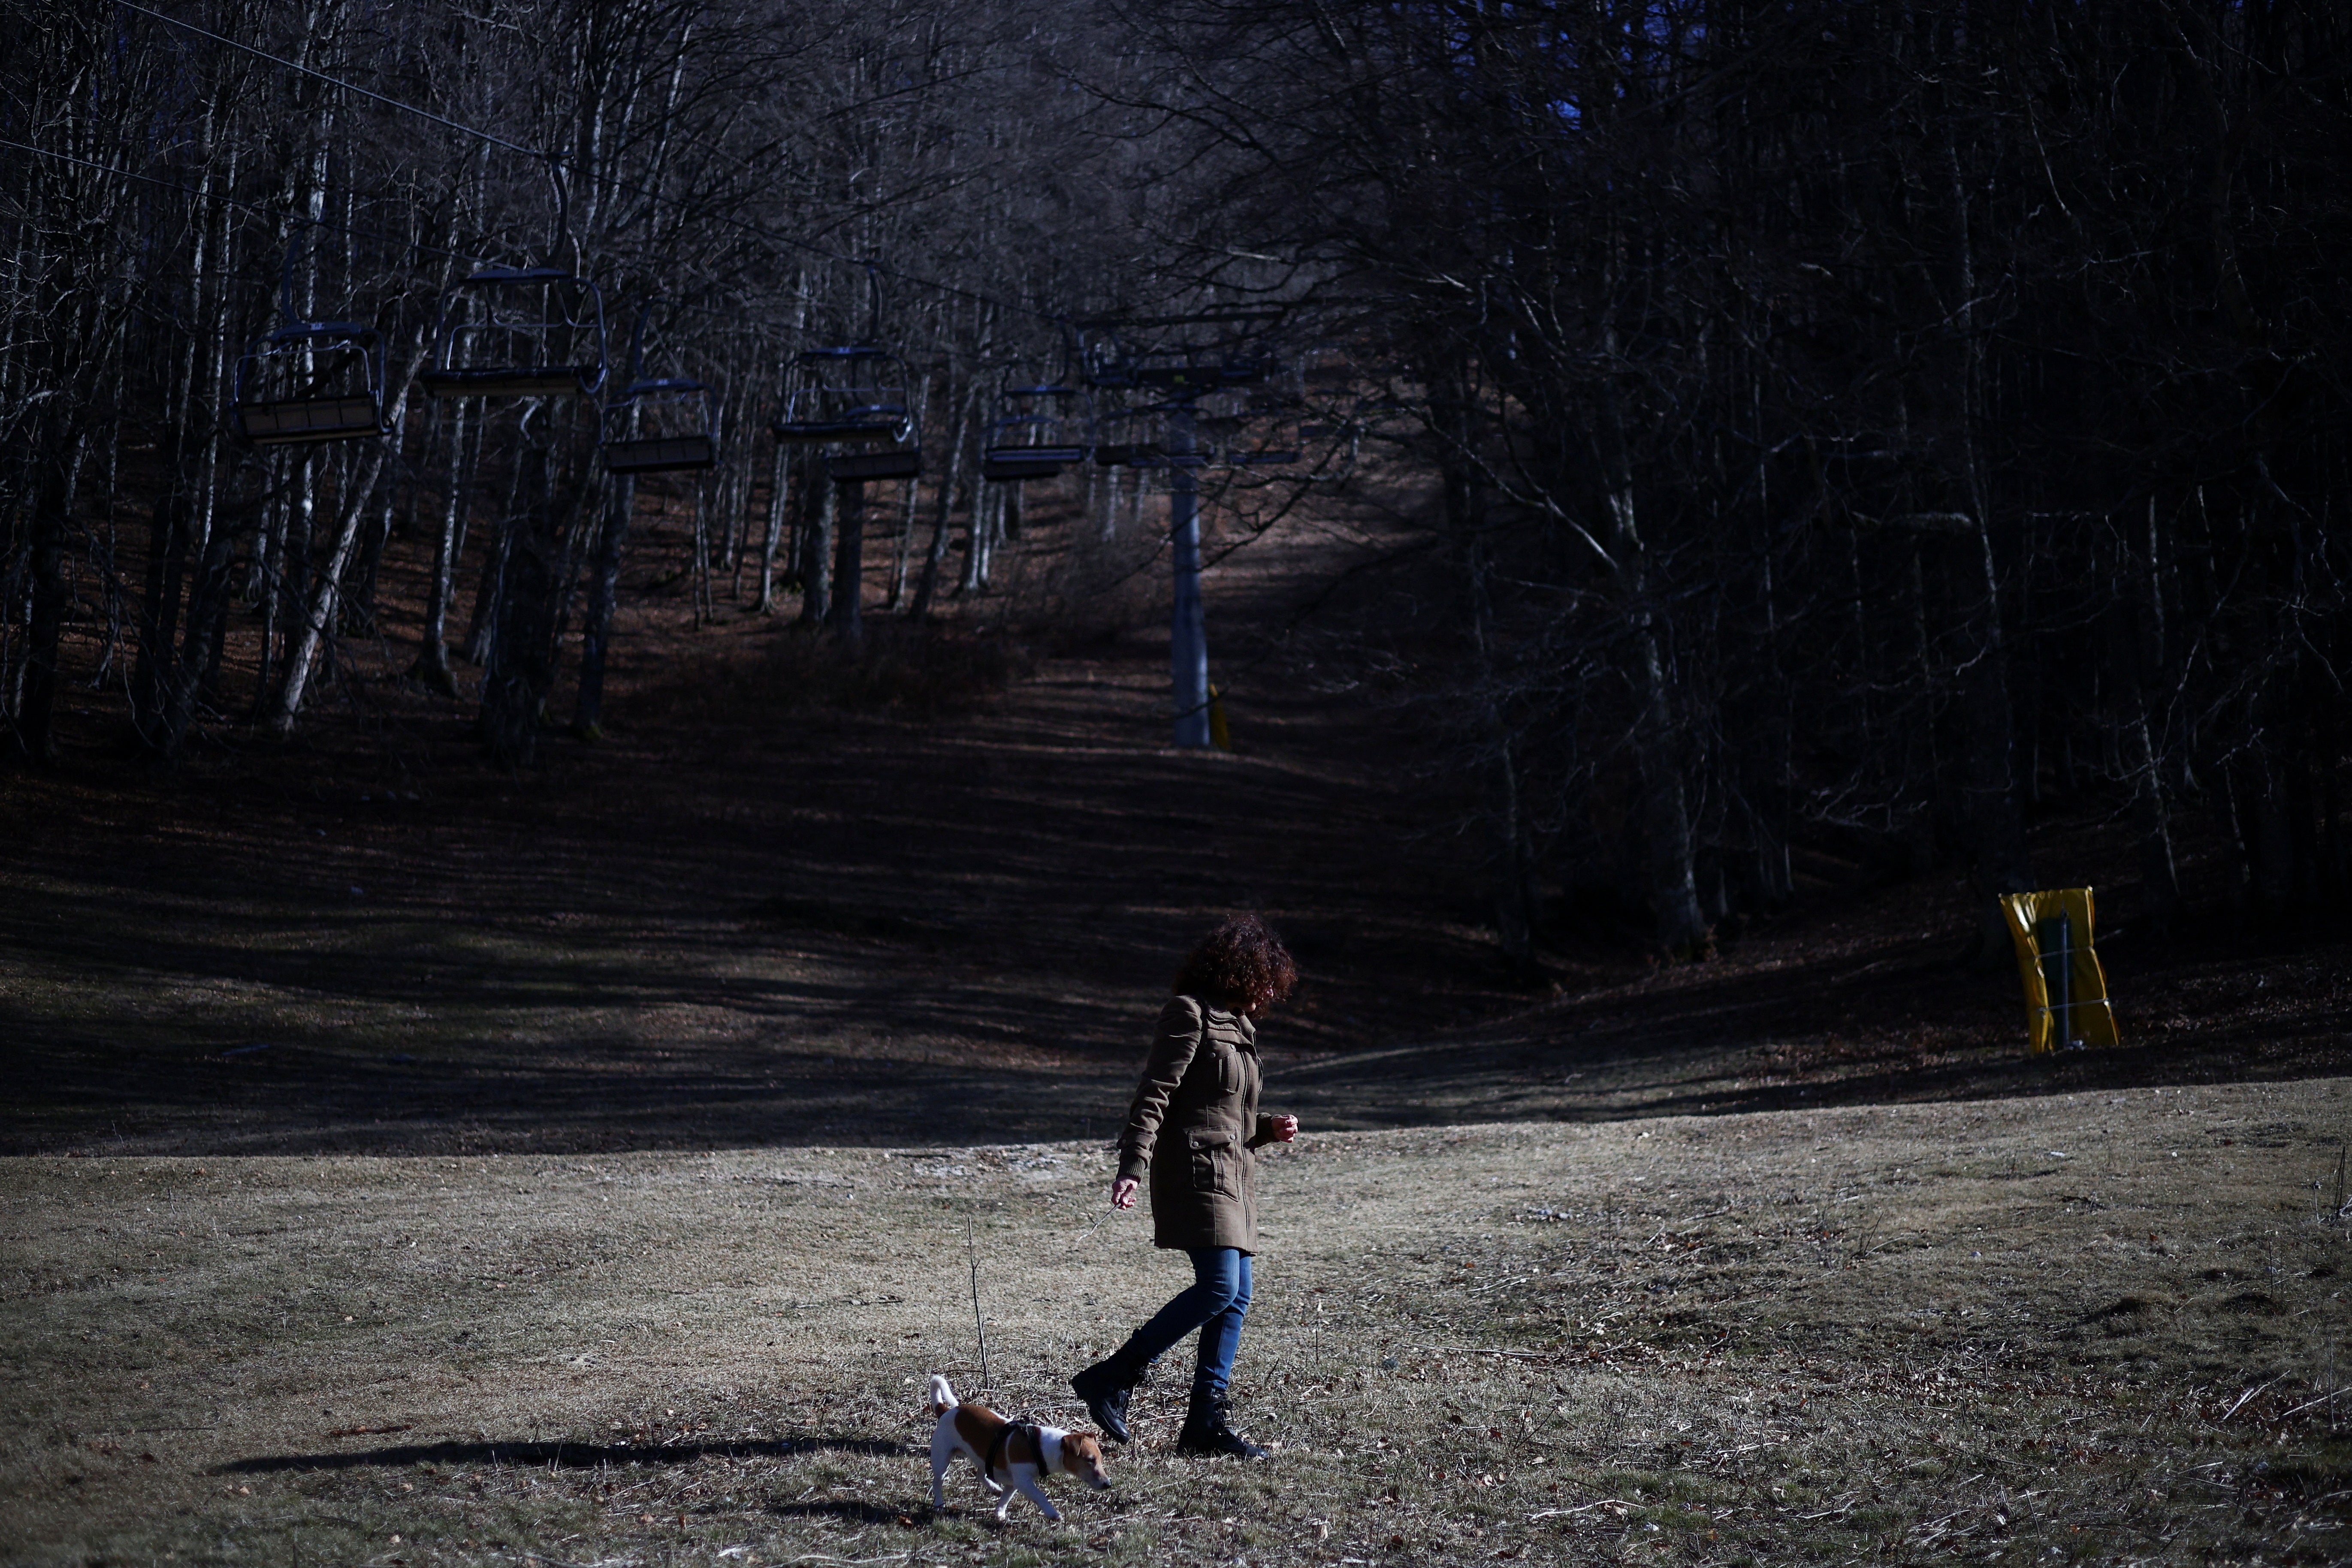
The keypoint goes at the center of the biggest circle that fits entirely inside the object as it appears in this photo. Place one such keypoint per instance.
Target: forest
(1810, 423)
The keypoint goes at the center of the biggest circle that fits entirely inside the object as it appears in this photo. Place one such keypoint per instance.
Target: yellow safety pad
(2088, 1016)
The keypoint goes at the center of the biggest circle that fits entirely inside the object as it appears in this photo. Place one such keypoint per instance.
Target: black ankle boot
(1206, 1432)
(1105, 1386)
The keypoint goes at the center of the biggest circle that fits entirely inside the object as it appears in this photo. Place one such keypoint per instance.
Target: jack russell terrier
(1010, 1456)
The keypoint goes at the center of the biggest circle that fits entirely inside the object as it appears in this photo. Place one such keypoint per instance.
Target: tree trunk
(975, 539)
(603, 596)
(520, 672)
(482, 625)
(909, 502)
(816, 547)
(196, 669)
(1669, 874)
(1669, 882)
(319, 614)
(432, 666)
(1990, 814)
(778, 492)
(2139, 655)
(1995, 824)
(1466, 521)
(849, 564)
(59, 467)
(926, 587)
(167, 549)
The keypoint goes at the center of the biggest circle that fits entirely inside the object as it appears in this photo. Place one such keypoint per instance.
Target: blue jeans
(1216, 1302)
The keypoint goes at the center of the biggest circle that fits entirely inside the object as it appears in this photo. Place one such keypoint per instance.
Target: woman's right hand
(1122, 1193)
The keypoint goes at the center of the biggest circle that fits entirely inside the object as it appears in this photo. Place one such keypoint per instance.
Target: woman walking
(1196, 1126)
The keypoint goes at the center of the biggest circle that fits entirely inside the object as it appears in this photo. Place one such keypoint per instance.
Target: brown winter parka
(1194, 1126)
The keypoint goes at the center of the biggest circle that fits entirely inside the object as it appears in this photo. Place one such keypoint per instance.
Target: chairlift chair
(1250, 426)
(855, 396)
(309, 382)
(1031, 436)
(1126, 437)
(1185, 355)
(890, 463)
(1267, 434)
(684, 415)
(522, 331)
(519, 331)
(659, 424)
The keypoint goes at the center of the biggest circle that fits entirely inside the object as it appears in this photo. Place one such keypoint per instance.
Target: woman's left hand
(1285, 1128)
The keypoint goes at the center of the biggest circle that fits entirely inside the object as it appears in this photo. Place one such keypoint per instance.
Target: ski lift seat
(868, 425)
(296, 421)
(856, 467)
(659, 424)
(513, 381)
(855, 395)
(1130, 455)
(686, 437)
(673, 450)
(552, 349)
(660, 455)
(341, 399)
(1060, 455)
(1003, 464)
(1031, 436)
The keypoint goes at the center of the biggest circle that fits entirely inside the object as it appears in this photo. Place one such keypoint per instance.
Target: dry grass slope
(2087, 1328)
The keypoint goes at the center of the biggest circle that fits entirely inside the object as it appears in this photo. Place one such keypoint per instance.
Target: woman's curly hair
(1241, 966)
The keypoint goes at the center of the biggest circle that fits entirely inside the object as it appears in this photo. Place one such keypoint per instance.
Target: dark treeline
(1864, 422)
(1856, 420)
(163, 191)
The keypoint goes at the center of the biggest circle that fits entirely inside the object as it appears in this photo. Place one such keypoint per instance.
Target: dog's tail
(943, 1396)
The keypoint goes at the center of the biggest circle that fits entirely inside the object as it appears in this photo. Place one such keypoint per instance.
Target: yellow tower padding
(2065, 989)
(1219, 735)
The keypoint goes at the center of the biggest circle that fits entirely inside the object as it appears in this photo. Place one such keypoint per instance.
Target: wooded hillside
(1866, 424)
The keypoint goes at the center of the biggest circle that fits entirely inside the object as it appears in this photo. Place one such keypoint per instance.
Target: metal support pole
(2055, 938)
(1188, 639)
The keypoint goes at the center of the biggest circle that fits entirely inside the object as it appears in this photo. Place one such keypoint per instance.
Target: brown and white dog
(1010, 1456)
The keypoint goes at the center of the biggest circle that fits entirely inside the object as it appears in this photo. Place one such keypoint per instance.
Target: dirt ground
(2072, 1328)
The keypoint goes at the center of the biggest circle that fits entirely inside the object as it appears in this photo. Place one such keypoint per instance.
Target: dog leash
(1089, 1230)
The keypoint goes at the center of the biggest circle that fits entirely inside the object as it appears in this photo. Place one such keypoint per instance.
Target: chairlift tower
(1189, 356)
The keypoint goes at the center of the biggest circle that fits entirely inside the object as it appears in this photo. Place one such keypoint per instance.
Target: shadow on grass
(565, 1455)
(850, 1508)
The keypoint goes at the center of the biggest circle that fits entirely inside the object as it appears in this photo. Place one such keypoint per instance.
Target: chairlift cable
(323, 76)
(414, 246)
(418, 246)
(754, 229)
